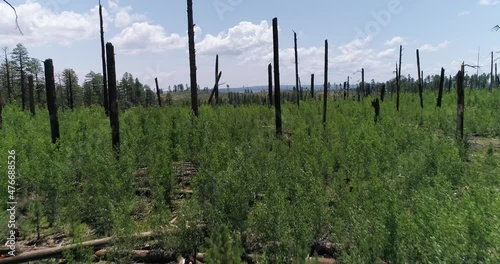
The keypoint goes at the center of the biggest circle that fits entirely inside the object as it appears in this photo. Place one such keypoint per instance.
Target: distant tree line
(16, 65)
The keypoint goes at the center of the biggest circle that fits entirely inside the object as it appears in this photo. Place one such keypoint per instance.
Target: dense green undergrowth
(400, 190)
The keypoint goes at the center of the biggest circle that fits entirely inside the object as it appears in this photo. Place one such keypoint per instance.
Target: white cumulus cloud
(242, 38)
(432, 48)
(144, 37)
(386, 53)
(395, 41)
(488, 2)
(42, 25)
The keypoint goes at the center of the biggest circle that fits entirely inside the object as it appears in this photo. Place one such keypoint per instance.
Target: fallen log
(147, 256)
(4, 250)
(57, 251)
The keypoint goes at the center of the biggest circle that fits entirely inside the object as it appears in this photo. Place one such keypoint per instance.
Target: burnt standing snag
(51, 99)
(376, 106)
(113, 102)
(277, 99)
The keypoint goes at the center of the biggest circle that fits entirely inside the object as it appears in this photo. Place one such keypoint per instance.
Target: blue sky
(150, 36)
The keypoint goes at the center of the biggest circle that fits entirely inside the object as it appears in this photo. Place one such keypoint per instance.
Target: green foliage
(221, 248)
(402, 190)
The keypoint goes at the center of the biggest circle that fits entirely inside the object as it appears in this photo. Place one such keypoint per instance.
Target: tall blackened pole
(491, 73)
(270, 83)
(192, 59)
(441, 88)
(31, 94)
(420, 88)
(50, 88)
(398, 75)
(217, 79)
(103, 58)
(312, 86)
(158, 92)
(362, 79)
(297, 88)
(325, 85)
(70, 83)
(113, 99)
(460, 104)
(277, 99)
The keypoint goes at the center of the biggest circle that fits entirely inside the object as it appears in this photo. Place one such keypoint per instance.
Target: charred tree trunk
(460, 105)
(423, 82)
(217, 79)
(104, 72)
(450, 82)
(297, 88)
(362, 81)
(270, 83)
(347, 87)
(496, 76)
(50, 88)
(397, 87)
(216, 85)
(113, 99)
(420, 88)
(1, 110)
(398, 77)
(158, 92)
(38, 90)
(192, 59)
(23, 88)
(70, 92)
(491, 73)
(7, 69)
(325, 85)
(441, 88)
(376, 106)
(31, 94)
(277, 99)
(345, 90)
(312, 86)
(382, 92)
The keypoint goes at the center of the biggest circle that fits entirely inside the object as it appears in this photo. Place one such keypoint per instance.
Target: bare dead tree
(113, 99)
(192, 59)
(420, 81)
(296, 68)
(216, 88)
(50, 90)
(277, 85)
(31, 94)
(312, 86)
(398, 77)
(270, 83)
(460, 104)
(491, 73)
(9, 90)
(103, 61)
(15, 12)
(325, 85)
(441, 88)
(217, 79)
(158, 92)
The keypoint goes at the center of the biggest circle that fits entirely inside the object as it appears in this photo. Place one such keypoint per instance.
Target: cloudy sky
(150, 37)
